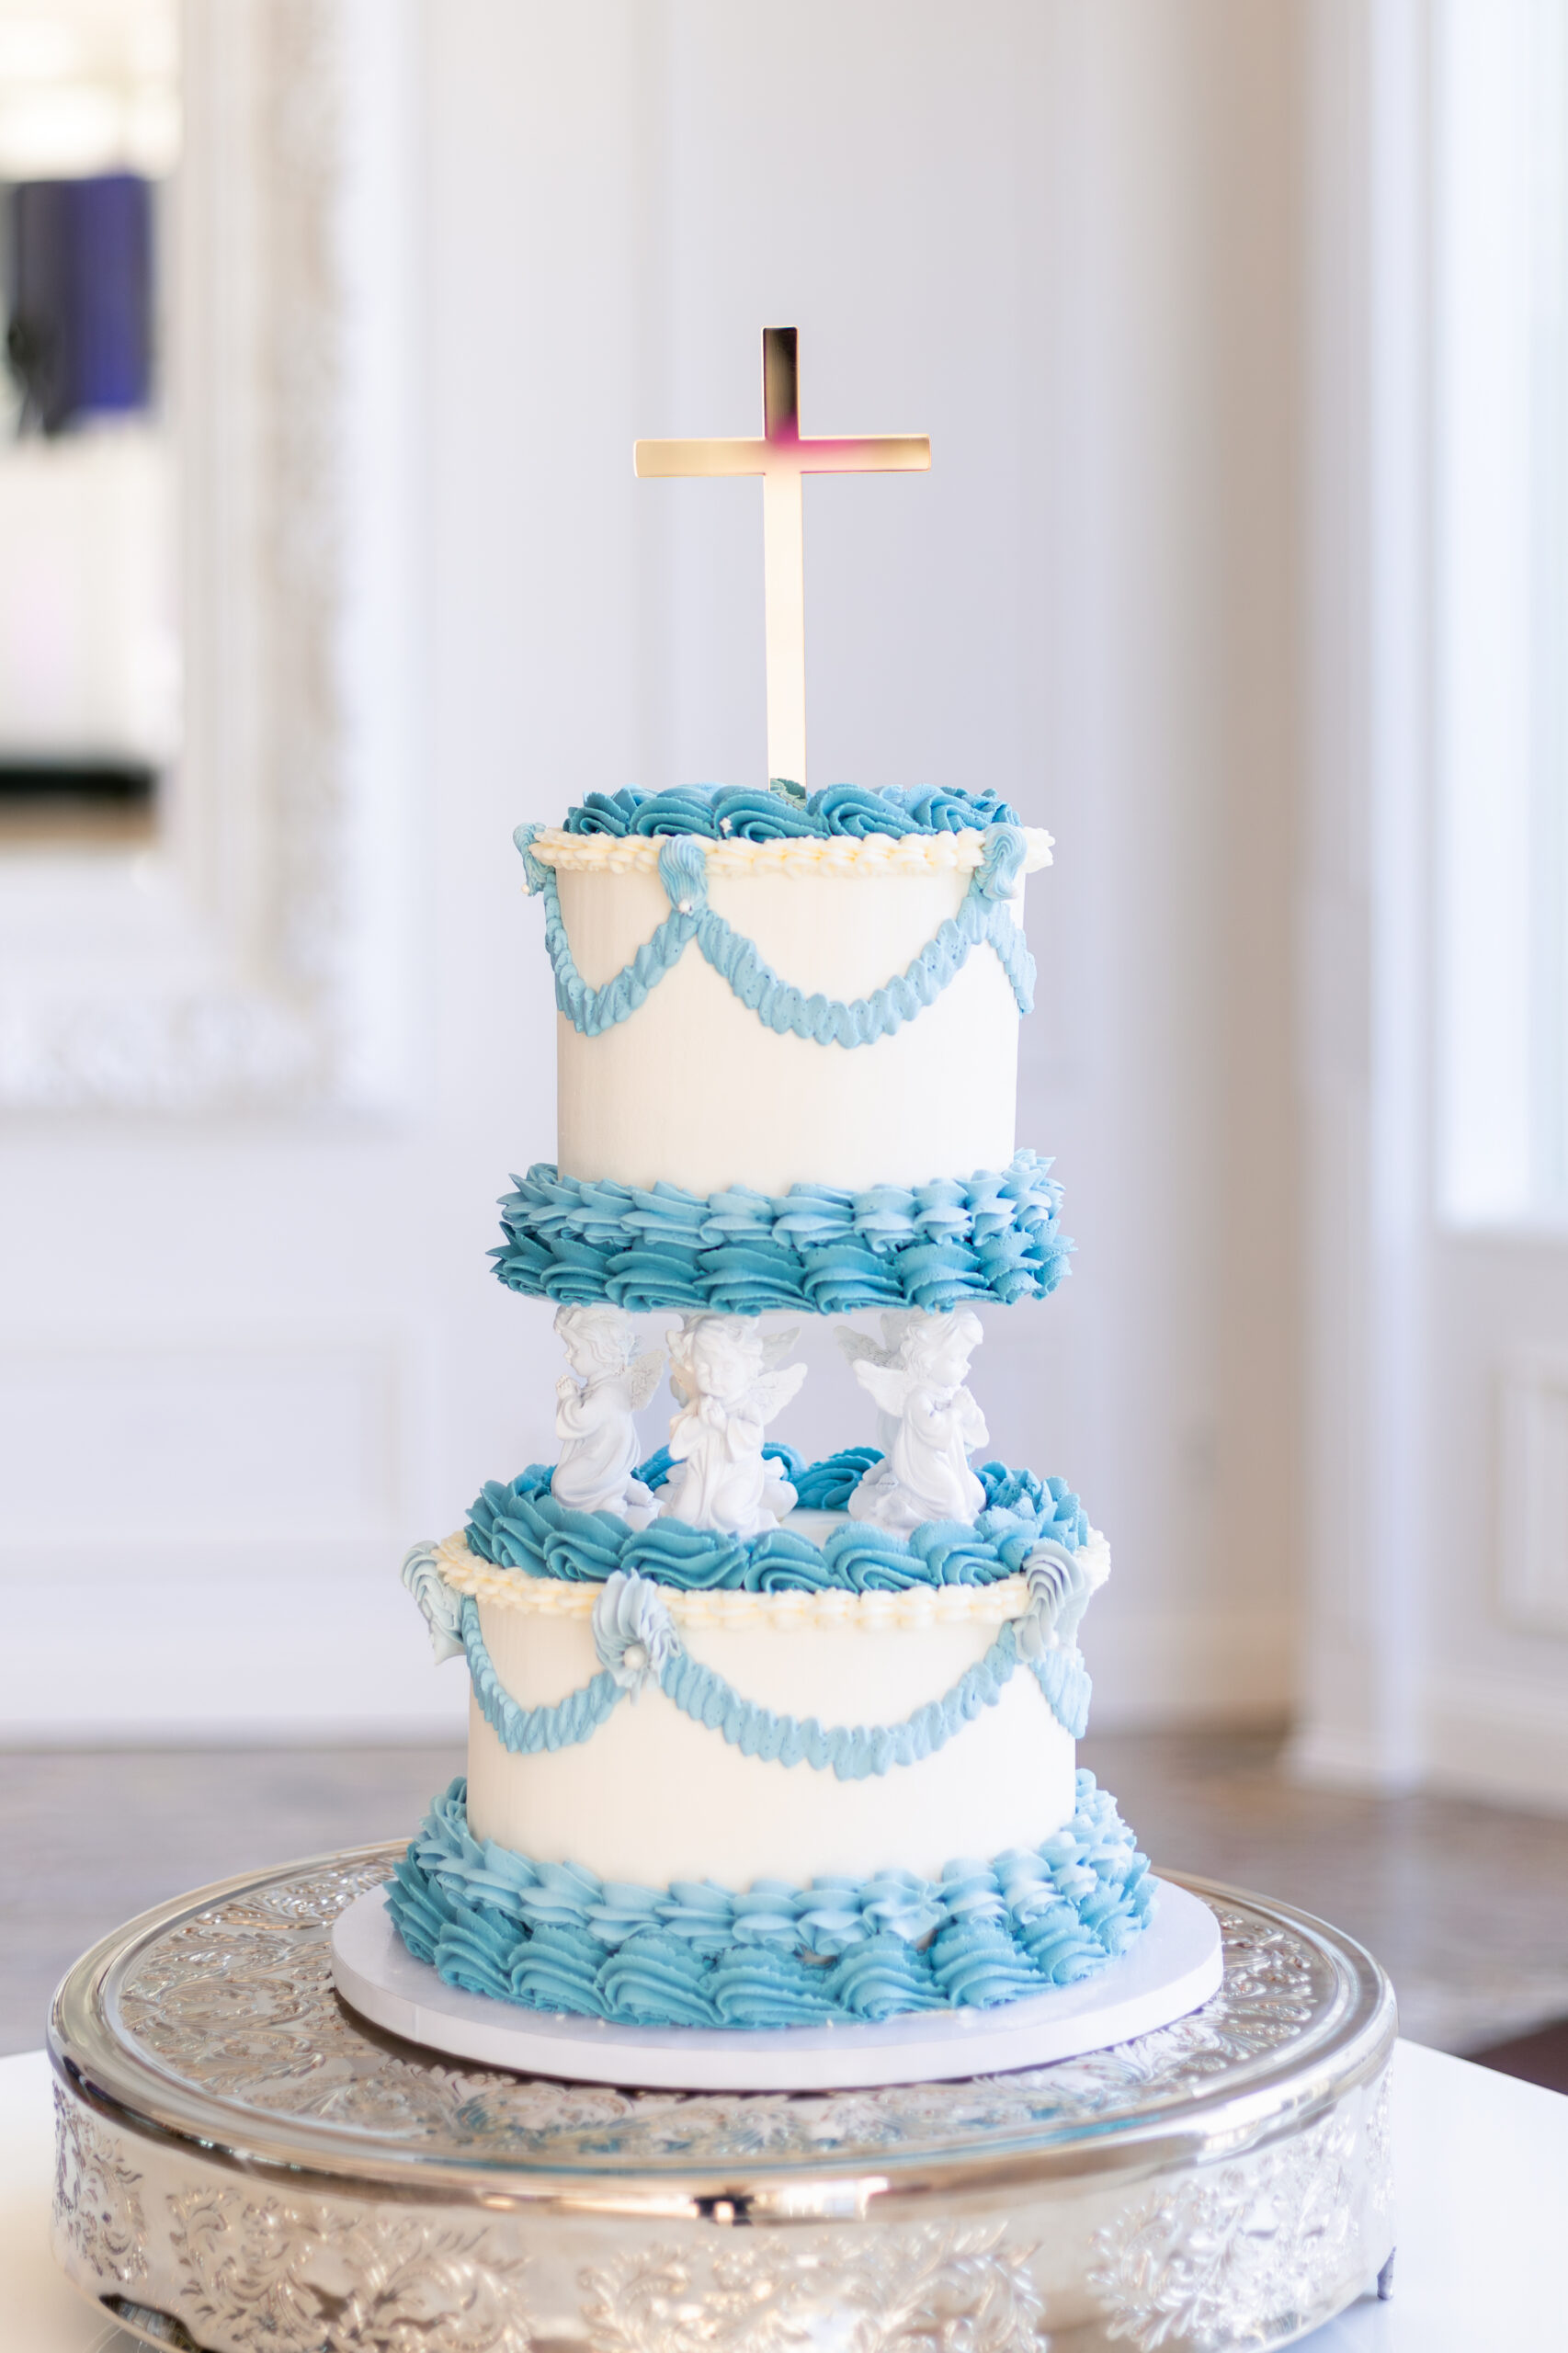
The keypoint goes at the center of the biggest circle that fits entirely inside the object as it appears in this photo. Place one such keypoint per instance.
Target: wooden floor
(1466, 1905)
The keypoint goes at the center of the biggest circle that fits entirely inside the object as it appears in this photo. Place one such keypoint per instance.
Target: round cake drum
(1174, 1967)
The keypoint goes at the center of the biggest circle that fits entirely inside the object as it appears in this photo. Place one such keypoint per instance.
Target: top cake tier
(760, 991)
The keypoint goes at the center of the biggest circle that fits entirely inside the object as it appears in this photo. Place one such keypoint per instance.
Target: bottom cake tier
(556, 1937)
(842, 1788)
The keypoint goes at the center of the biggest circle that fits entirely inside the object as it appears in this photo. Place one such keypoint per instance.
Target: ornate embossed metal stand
(244, 2165)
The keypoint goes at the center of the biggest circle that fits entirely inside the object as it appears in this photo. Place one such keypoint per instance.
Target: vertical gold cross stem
(784, 617)
(784, 557)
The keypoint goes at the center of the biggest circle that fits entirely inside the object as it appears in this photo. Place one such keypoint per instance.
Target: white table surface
(1482, 2185)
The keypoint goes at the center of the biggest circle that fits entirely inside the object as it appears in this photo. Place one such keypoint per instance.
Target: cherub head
(730, 1360)
(717, 1356)
(938, 1348)
(598, 1339)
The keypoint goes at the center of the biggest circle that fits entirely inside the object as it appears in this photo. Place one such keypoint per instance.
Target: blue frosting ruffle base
(518, 1524)
(740, 812)
(553, 1937)
(994, 1235)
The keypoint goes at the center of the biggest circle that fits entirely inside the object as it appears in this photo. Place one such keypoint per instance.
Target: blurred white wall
(243, 1365)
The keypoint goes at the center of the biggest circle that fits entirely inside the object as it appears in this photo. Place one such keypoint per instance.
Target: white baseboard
(1167, 1668)
(1497, 1737)
(236, 1660)
(1325, 1756)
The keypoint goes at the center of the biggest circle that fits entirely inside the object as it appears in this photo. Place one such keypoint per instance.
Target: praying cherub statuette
(593, 1416)
(729, 1383)
(927, 1422)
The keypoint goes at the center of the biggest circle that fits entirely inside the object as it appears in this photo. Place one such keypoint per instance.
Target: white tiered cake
(755, 1741)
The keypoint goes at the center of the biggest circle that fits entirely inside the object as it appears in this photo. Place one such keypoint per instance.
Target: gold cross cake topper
(783, 459)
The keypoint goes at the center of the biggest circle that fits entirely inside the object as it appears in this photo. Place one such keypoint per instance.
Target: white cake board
(1174, 1967)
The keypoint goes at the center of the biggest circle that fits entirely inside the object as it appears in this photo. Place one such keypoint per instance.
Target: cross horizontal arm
(887, 453)
(658, 460)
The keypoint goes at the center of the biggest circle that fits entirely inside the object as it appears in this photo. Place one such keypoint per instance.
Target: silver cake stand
(246, 2166)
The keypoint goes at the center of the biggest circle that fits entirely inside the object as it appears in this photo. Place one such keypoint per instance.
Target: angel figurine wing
(643, 1376)
(776, 1345)
(886, 1385)
(859, 1348)
(680, 1339)
(771, 1392)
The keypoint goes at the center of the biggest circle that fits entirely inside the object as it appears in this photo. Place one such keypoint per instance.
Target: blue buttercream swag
(637, 1641)
(984, 919)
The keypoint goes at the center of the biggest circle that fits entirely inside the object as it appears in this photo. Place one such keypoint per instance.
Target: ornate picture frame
(242, 962)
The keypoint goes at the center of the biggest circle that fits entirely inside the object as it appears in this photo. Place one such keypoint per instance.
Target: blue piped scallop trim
(994, 1235)
(521, 1524)
(983, 920)
(850, 1752)
(738, 812)
(554, 1936)
(524, 1732)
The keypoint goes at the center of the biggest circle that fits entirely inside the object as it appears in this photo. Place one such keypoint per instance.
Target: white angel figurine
(729, 1385)
(927, 1421)
(592, 1416)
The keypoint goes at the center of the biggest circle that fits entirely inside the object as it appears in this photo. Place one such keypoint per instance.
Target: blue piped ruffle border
(518, 1524)
(994, 1235)
(739, 812)
(553, 1937)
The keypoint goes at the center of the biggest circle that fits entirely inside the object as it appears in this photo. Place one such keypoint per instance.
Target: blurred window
(1500, 619)
(79, 299)
(89, 650)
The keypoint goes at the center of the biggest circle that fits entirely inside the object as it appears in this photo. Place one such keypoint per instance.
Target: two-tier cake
(758, 1742)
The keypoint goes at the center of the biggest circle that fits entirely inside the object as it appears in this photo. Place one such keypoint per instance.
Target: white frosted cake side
(637, 1102)
(654, 1797)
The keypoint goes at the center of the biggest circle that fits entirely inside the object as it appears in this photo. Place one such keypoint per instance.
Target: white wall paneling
(228, 1449)
(1435, 1644)
(1062, 241)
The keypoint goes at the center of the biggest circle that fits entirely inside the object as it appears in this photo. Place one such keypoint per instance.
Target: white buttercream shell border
(942, 1605)
(866, 856)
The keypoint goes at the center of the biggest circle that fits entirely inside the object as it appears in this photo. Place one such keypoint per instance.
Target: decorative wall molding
(161, 1442)
(292, 1648)
(223, 1506)
(1363, 977)
(217, 971)
(1532, 1494)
